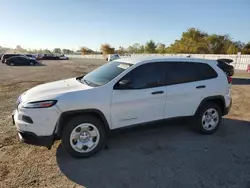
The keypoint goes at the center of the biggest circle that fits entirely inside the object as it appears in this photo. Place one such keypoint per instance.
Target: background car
(31, 56)
(49, 57)
(112, 57)
(248, 68)
(20, 60)
(7, 56)
(63, 57)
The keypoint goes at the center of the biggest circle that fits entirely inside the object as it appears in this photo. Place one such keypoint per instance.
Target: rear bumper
(31, 138)
(227, 109)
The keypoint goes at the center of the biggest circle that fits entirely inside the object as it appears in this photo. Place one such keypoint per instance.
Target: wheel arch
(65, 117)
(218, 99)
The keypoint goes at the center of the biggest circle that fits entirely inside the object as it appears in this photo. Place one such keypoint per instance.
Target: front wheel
(11, 63)
(31, 63)
(209, 118)
(83, 136)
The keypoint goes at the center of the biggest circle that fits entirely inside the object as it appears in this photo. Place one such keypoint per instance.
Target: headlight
(39, 104)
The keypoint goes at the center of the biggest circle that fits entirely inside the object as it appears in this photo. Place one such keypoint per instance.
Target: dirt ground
(163, 155)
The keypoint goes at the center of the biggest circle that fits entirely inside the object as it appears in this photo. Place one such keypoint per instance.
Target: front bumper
(227, 109)
(40, 130)
(31, 138)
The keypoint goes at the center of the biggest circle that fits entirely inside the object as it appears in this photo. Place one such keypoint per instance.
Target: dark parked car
(20, 60)
(31, 56)
(49, 57)
(7, 56)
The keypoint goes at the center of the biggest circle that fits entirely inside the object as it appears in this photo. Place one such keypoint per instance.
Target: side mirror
(123, 84)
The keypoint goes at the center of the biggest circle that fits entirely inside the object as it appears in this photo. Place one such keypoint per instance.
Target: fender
(63, 117)
(212, 98)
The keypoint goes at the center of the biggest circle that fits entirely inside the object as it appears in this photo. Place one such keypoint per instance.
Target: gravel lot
(169, 154)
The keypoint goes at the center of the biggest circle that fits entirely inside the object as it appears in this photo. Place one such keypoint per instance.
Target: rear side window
(6, 56)
(183, 72)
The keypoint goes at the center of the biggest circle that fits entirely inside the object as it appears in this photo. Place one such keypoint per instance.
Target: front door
(142, 99)
(22, 61)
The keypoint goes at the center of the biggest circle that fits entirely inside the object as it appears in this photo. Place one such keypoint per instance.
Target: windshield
(105, 73)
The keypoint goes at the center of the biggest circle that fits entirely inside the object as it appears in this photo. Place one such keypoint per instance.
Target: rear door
(187, 83)
(143, 100)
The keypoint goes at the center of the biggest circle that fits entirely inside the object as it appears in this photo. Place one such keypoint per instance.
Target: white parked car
(80, 111)
(63, 57)
(112, 57)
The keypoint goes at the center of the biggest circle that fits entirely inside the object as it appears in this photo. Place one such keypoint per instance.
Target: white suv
(81, 111)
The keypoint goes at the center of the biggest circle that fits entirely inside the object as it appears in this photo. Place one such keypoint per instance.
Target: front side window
(145, 76)
(105, 73)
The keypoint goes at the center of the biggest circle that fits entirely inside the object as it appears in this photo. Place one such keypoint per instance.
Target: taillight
(229, 79)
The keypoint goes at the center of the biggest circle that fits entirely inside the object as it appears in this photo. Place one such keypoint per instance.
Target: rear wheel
(83, 136)
(208, 118)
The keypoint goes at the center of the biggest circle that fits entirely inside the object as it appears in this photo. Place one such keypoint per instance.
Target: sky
(37, 24)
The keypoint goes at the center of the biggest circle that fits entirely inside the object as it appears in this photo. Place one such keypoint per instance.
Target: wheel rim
(11, 64)
(210, 119)
(84, 138)
(31, 63)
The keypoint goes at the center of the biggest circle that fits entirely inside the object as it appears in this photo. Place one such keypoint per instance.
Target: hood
(52, 90)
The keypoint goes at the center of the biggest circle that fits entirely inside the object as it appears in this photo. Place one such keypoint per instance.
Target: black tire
(31, 63)
(198, 118)
(72, 124)
(11, 63)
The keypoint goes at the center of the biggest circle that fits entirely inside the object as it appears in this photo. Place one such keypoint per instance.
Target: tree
(120, 50)
(19, 49)
(141, 49)
(196, 41)
(150, 47)
(57, 51)
(107, 49)
(246, 48)
(84, 50)
(218, 44)
(192, 41)
(136, 48)
(161, 48)
(67, 51)
(232, 49)
(46, 51)
(130, 49)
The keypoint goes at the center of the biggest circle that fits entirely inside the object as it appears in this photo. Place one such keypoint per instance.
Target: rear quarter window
(184, 72)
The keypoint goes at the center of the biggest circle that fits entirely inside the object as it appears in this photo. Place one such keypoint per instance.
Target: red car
(248, 68)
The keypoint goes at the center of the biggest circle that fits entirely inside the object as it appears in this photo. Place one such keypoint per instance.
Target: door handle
(157, 92)
(200, 87)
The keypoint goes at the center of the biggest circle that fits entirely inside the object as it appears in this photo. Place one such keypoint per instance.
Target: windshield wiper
(89, 83)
